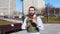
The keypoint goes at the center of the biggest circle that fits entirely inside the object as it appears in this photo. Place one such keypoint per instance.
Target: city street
(48, 29)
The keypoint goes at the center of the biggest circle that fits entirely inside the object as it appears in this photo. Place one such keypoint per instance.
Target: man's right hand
(28, 24)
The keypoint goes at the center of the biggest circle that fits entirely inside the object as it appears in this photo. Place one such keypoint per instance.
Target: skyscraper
(7, 7)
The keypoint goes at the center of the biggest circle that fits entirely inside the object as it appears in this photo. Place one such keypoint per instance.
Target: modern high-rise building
(7, 7)
(38, 4)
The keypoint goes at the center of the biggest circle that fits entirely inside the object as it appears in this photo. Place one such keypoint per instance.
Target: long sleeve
(40, 23)
(24, 24)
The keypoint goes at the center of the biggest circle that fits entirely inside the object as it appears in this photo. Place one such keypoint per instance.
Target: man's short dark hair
(31, 7)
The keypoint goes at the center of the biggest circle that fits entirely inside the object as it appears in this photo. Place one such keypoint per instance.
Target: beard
(31, 13)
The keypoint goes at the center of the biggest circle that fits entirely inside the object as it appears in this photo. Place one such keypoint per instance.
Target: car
(10, 27)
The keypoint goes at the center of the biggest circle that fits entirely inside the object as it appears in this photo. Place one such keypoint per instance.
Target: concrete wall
(4, 7)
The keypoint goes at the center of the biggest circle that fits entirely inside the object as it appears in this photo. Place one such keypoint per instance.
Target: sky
(55, 3)
(19, 5)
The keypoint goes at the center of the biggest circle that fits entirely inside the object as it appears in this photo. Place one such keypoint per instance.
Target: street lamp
(22, 10)
(9, 8)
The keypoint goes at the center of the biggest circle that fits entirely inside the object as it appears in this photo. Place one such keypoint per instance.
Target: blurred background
(14, 11)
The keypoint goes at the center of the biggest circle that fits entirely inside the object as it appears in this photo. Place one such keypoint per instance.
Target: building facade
(38, 4)
(7, 7)
(52, 12)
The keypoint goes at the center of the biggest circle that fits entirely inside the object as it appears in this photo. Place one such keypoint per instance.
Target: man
(32, 23)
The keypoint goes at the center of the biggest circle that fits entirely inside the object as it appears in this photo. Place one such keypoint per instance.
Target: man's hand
(34, 21)
(27, 25)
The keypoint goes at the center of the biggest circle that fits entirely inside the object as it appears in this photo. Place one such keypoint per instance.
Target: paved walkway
(48, 29)
(12, 20)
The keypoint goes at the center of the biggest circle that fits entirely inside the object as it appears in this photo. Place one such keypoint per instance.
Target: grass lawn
(52, 19)
(2, 22)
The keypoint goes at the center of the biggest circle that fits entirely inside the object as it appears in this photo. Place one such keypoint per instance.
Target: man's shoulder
(35, 15)
(26, 15)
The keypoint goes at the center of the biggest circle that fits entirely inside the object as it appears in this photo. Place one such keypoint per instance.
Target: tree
(48, 5)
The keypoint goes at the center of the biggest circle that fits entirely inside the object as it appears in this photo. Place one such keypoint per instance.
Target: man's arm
(40, 23)
(24, 24)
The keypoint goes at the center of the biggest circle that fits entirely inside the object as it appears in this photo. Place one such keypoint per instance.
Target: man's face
(31, 11)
